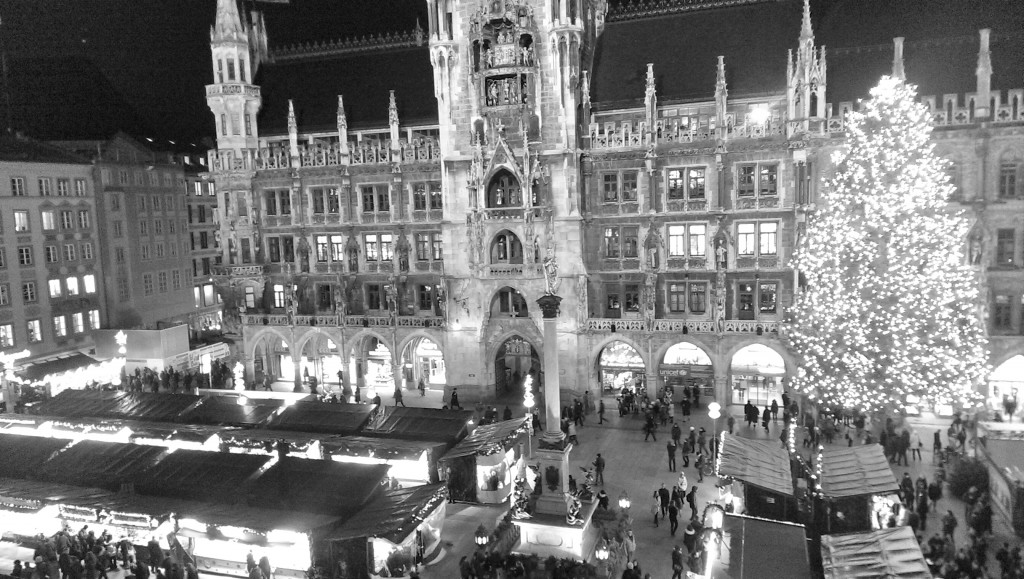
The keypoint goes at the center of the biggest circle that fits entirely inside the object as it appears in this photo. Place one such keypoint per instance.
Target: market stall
(753, 547)
(855, 489)
(893, 553)
(323, 418)
(448, 426)
(1002, 450)
(224, 478)
(390, 536)
(243, 412)
(107, 465)
(412, 462)
(482, 467)
(761, 478)
(272, 443)
(319, 486)
(80, 404)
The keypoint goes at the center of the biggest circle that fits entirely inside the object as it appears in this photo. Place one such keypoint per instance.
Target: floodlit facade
(391, 208)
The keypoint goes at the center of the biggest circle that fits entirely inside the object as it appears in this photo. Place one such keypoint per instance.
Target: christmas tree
(890, 308)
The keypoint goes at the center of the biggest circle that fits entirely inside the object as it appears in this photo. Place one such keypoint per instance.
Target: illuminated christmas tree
(890, 308)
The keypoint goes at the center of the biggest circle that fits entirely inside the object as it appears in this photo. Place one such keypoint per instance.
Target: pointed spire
(393, 121)
(650, 98)
(650, 79)
(806, 32)
(983, 103)
(342, 119)
(228, 25)
(720, 78)
(721, 94)
(293, 131)
(292, 125)
(897, 58)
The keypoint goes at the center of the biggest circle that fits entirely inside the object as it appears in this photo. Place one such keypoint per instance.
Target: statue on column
(551, 280)
(391, 292)
(442, 301)
(341, 299)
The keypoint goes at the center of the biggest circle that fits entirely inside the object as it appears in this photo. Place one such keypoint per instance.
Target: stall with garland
(272, 443)
(391, 536)
(448, 426)
(854, 489)
(482, 467)
(733, 546)
(892, 552)
(412, 462)
(757, 478)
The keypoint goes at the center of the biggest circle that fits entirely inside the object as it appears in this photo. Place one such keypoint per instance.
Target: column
(552, 394)
(297, 362)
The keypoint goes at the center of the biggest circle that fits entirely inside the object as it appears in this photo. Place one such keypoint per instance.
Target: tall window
(504, 191)
(94, 319)
(1005, 247)
(63, 188)
(161, 282)
(67, 220)
(55, 288)
(5, 294)
(147, 284)
(35, 331)
(322, 248)
(84, 222)
(337, 248)
(278, 295)
(70, 252)
(419, 197)
(376, 198)
(378, 247)
(87, 250)
(80, 190)
(325, 200)
(6, 336)
(687, 240)
(175, 280)
(124, 292)
(274, 249)
(424, 297)
(250, 297)
(324, 297)
(28, 292)
(435, 246)
(17, 186)
(25, 255)
(52, 255)
(618, 187)
(119, 254)
(373, 297)
(1008, 180)
(422, 246)
(686, 183)
(688, 296)
(89, 283)
(60, 326)
(1002, 312)
(49, 220)
(757, 179)
(21, 223)
(757, 238)
(78, 322)
(621, 241)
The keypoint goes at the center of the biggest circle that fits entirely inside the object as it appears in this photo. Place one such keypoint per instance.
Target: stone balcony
(231, 271)
(729, 327)
(514, 270)
(343, 321)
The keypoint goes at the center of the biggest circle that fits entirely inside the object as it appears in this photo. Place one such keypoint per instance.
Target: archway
(506, 248)
(272, 361)
(508, 302)
(755, 374)
(422, 359)
(321, 359)
(620, 367)
(1005, 387)
(687, 365)
(371, 364)
(514, 360)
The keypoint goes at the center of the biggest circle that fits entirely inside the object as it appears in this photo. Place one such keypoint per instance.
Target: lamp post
(481, 536)
(624, 502)
(714, 413)
(601, 553)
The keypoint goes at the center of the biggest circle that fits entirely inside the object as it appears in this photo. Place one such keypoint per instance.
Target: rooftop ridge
(637, 9)
(922, 43)
(340, 47)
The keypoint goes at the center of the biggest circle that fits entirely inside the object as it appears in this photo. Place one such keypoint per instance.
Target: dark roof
(21, 456)
(684, 49)
(99, 464)
(322, 418)
(302, 21)
(393, 516)
(761, 463)
(68, 97)
(198, 475)
(448, 426)
(380, 448)
(321, 486)
(490, 438)
(161, 407)
(763, 549)
(225, 411)
(363, 80)
(25, 150)
(80, 404)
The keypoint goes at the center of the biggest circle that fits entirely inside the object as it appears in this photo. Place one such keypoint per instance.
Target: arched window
(506, 248)
(508, 302)
(504, 191)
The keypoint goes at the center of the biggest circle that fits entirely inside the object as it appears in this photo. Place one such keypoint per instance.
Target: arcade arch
(1006, 385)
(271, 360)
(686, 364)
(756, 374)
(321, 359)
(620, 367)
(423, 359)
(372, 365)
(514, 360)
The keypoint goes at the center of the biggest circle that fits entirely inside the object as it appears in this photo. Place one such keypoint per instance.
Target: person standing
(600, 412)
(731, 423)
(599, 470)
(671, 446)
(677, 433)
(775, 411)
(649, 427)
(765, 417)
(455, 400)
(699, 463)
(663, 496)
(691, 499)
(678, 563)
(687, 449)
(702, 441)
(915, 446)
(673, 518)
(936, 446)
(398, 396)
(422, 387)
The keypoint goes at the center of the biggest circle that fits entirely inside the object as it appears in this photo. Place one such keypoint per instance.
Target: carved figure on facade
(391, 293)
(974, 244)
(304, 251)
(403, 249)
(291, 305)
(647, 299)
(582, 300)
(653, 243)
(442, 300)
(471, 251)
(341, 298)
(720, 301)
(721, 253)
(505, 91)
(460, 297)
(352, 247)
(478, 240)
(551, 280)
(529, 236)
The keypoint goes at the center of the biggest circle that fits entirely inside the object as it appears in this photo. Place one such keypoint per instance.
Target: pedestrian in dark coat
(671, 447)
(691, 499)
(775, 410)
(673, 519)
(765, 417)
(156, 554)
(663, 497)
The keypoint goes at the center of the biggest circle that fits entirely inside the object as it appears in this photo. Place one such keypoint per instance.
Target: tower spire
(806, 32)
(228, 25)
(897, 58)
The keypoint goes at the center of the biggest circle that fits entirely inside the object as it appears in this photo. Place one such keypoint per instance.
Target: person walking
(600, 412)
(663, 496)
(731, 423)
(677, 433)
(915, 446)
(599, 470)
(678, 563)
(649, 427)
(936, 446)
(765, 417)
(455, 400)
(673, 518)
(691, 499)
(422, 387)
(656, 506)
(775, 411)
(671, 446)
(702, 441)
(687, 449)
(699, 464)
(949, 524)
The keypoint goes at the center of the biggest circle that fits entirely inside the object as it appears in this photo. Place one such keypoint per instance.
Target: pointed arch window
(506, 248)
(504, 191)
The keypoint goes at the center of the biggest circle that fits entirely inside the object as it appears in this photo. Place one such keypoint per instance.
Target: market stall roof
(856, 470)
(322, 417)
(80, 403)
(268, 439)
(382, 448)
(198, 433)
(762, 548)
(756, 462)
(490, 438)
(223, 411)
(448, 426)
(891, 553)
(21, 456)
(323, 486)
(393, 516)
(38, 371)
(99, 464)
(161, 407)
(198, 475)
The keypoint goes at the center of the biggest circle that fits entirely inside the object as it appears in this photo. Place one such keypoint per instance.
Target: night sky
(156, 52)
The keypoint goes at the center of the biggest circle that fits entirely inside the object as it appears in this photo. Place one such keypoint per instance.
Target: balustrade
(690, 326)
(355, 321)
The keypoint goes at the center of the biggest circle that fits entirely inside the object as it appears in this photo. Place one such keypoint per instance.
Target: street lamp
(714, 413)
(602, 551)
(624, 502)
(481, 536)
(528, 402)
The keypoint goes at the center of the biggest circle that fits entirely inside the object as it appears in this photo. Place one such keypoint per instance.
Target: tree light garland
(890, 309)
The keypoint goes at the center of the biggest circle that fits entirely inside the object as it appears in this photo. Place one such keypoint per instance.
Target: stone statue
(341, 298)
(519, 500)
(391, 292)
(648, 299)
(581, 300)
(721, 254)
(550, 272)
(442, 300)
(720, 301)
(572, 509)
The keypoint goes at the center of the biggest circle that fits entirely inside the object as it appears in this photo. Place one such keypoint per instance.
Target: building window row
(72, 286)
(753, 298)
(45, 187)
(619, 187)
(63, 326)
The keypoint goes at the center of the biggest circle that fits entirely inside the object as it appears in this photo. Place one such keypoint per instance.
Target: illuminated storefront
(687, 364)
(620, 367)
(755, 375)
(1005, 388)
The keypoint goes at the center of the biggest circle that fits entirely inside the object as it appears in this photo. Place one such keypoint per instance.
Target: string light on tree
(890, 308)
(528, 400)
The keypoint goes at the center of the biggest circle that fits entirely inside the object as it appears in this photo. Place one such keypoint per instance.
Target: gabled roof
(448, 426)
(763, 549)
(99, 464)
(394, 516)
(22, 456)
(891, 553)
(760, 463)
(363, 79)
(322, 418)
(25, 150)
(80, 404)
(856, 471)
(198, 475)
(225, 411)
(322, 486)
(490, 438)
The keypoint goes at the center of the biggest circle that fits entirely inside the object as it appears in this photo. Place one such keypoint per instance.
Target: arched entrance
(321, 359)
(755, 374)
(423, 359)
(1005, 387)
(514, 360)
(272, 361)
(688, 365)
(619, 367)
(371, 365)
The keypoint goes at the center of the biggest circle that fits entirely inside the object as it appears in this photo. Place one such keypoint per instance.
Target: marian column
(553, 435)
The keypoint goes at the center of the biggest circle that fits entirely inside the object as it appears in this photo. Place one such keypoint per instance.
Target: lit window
(278, 296)
(35, 331)
(72, 283)
(698, 240)
(768, 238)
(55, 288)
(89, 283)
(49, 220)
(6, 336)
(60, 326)
(21, 222)
(78, 322)
(250, 297)
(746, 233)
(94, 319)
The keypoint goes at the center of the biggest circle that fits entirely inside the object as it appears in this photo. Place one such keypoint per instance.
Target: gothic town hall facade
(394, 202)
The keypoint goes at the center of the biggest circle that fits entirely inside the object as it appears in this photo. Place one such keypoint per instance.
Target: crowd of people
(85, 555)
(175, 381)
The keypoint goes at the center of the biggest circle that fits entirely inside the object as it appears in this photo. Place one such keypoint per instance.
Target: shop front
(756, 375)
(482, 467)
(411, 462)
(761, 481)
(620, 368)
(687, 365)
(1005, 388)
